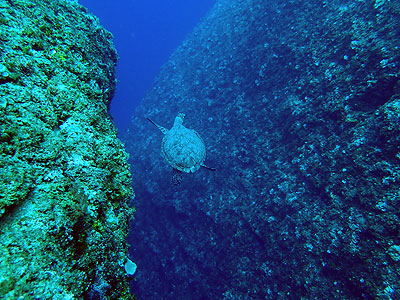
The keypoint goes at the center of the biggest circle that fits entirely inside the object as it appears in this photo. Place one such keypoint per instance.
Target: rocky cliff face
(64, 178)
(298, 104)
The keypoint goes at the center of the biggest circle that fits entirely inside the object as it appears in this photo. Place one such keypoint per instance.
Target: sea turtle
(182, 148)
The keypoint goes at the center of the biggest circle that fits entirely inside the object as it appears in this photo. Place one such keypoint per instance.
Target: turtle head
(179, 119)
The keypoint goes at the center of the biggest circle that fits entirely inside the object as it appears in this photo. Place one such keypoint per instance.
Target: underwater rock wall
(64, 179)
(298, 104)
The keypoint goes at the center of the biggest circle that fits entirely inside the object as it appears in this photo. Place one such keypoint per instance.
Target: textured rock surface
(64, 178)
(298, 104)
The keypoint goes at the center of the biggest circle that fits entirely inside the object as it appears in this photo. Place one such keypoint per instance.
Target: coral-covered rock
(64, 178)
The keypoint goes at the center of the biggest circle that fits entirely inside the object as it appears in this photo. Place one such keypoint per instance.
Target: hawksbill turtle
(182, 148)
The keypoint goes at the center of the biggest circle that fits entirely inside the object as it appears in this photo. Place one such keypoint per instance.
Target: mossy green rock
(64, 178)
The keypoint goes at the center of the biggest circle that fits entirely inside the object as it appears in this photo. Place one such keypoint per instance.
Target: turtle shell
(183, 149)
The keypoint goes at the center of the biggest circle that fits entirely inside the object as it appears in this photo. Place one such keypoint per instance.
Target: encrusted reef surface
(298, 104)
(64, 179)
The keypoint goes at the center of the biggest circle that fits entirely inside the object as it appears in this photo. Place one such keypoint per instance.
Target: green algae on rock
(64, 179)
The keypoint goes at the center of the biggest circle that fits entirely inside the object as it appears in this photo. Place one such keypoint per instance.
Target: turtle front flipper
(163, 130)
(176, 177)
(208, 168)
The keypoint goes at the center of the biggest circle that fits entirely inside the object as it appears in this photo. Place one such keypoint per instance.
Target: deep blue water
(145, 34)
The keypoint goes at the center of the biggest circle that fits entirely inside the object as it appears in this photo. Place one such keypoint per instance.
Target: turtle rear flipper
(176, 177)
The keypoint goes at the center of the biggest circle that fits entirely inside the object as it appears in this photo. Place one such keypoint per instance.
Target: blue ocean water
(145, 34)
